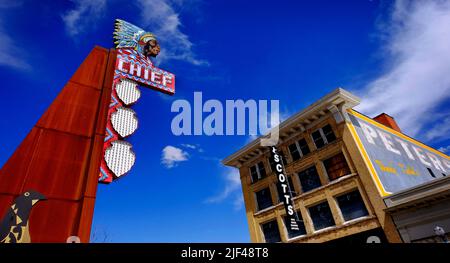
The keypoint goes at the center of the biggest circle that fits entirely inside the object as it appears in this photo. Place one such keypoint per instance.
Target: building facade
(337, 192)
(420, 211)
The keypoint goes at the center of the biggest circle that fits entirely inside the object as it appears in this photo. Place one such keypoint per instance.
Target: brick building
(337, 178)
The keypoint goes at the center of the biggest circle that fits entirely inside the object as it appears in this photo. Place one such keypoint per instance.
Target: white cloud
(172, 155)
(11, 54)
(416, 83)
(445, 149)
(191, 146)
(83, 16)
(160, 17)
(439, 131)
(238, 202)
(230, 189)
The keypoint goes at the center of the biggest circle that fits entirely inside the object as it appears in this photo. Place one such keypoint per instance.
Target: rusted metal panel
(95, 160)
(14, 171)
(86, 213)
(92, 74)
(53, 220)
(106, 93)
(58, 167)
(5, 199)
(61, 155)
(73, 111)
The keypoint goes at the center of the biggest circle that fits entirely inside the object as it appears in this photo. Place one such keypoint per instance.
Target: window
(301, 227)
(329, 134)
(336, 166)
(294, 150)
(280, 190)
(272, 163)
(352, 206)
(323, 136)
(321, 216)
(431, 172)
(257, 171)
(309, 179)
(318, 139)
(263, 198)
(299, 149)
(271, 232)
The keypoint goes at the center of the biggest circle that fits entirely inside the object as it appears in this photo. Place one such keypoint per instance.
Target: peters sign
(397, 162)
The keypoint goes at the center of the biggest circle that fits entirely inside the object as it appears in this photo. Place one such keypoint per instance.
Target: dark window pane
(352, 206)
(283, 158)
(272, 164)
(294, 152)
(431, 172)
(263, 198)
(253, 173)
(328, 132)
(280, 190)
(309, 179)
(303, 146)
(262, 170)
(318, 140)
(336, 166)
(301, 227)
(321, 216)
(271, 232)
(291, 186)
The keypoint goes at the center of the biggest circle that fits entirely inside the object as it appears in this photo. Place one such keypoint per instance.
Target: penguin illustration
(14, 226)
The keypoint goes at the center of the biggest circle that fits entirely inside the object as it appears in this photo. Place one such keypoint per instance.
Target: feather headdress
(127, 35)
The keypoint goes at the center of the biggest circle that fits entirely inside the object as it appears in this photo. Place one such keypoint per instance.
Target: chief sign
(397, 161)
(133, 68)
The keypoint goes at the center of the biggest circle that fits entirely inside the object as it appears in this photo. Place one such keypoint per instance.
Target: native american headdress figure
(127, 35)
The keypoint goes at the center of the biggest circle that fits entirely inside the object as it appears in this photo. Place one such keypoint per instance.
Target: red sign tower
(80, 134)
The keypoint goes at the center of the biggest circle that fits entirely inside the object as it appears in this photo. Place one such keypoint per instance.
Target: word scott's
(282, 181)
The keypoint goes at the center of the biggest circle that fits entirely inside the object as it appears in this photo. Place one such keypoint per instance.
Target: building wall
(359, 179)
(418, 210)
(416, 225)
(369, 186)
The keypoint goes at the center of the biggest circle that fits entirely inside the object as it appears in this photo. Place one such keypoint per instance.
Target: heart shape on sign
(124, 121)
(120, 158)
(127, 91)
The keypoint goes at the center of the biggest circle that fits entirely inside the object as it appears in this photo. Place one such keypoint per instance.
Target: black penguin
(14, 226)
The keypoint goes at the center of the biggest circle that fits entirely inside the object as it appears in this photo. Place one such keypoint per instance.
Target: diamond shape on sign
(127, 91)
(124, 121)
(120, 158)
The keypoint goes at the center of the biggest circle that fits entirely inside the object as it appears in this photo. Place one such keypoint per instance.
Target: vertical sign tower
(133, 67)
(80, 140)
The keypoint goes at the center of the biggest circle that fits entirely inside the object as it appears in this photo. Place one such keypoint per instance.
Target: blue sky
(394, 55)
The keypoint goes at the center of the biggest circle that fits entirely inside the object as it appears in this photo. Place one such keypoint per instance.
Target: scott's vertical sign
(291, 214)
